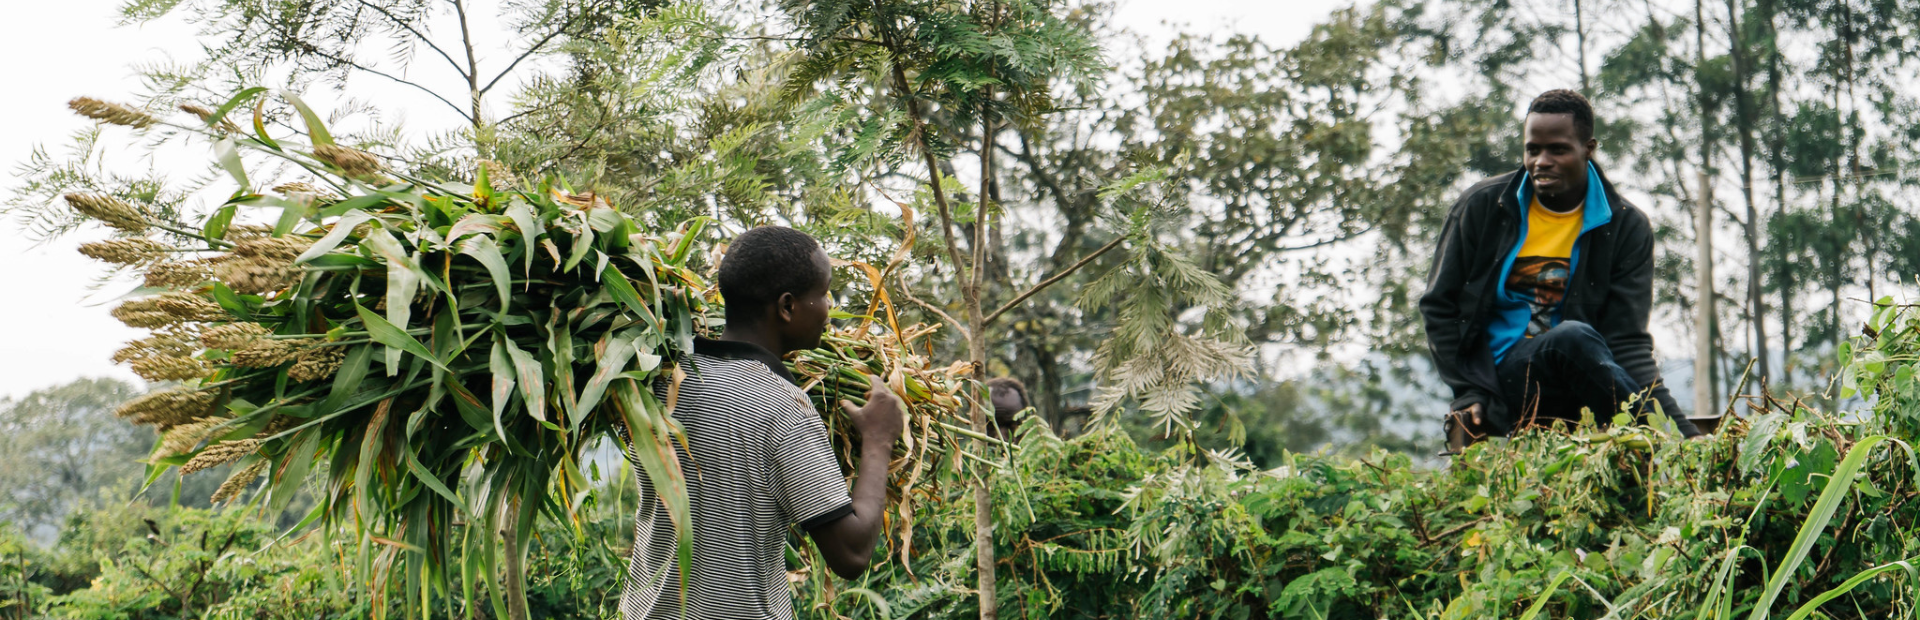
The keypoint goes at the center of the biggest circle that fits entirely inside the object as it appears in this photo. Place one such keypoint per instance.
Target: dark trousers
(1553, 375)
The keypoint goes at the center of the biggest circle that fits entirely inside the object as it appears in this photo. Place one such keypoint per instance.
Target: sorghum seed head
(183, 438)
(166, 409)
(239, 482)
(299, 190)
(269, 353)
(232, 336)
(189, 307)
(278, 248)
(162, 344)
(180, 274)
(253, 275)
(317, 363)
(170, 368)
(355, 163)
(249, 231)
(111, 112)
(134, 251)
(109, 210)
(221, 454)
(168, 309)
(142, 316)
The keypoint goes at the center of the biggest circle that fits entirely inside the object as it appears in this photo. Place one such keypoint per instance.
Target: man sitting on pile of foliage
(761, 459)
(1538, 299)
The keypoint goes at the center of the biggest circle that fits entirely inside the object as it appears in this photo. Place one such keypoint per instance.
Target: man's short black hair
(1563, 101)
(765, 262)
(1009, 383)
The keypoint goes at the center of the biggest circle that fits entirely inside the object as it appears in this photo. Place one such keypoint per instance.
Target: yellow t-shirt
(1541, 269)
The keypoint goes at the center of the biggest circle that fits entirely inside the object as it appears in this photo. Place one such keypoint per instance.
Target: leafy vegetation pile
(1791, 513)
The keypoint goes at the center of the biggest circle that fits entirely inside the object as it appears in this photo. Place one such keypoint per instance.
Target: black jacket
(1611, 289)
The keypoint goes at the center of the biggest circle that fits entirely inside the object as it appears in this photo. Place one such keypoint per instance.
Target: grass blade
(1842, 589)
(1837, 487)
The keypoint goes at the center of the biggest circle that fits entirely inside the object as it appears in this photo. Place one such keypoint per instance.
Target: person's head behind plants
(776, 281)
(1558, 138)
(1009, 397)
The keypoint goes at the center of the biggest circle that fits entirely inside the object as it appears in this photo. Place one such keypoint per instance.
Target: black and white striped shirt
(760, 462)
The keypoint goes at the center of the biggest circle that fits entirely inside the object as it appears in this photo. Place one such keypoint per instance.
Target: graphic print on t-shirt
(1544, 263)
(1542, 280)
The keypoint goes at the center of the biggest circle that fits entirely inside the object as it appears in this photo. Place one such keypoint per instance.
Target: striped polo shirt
(760, 462)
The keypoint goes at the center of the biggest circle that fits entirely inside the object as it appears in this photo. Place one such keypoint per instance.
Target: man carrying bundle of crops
(1541, 287)
(761, 461)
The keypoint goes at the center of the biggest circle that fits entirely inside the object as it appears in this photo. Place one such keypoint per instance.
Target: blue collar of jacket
(1598, 211)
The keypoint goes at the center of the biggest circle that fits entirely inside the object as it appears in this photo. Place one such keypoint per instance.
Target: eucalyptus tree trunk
(1703, 232)
(1747, 116)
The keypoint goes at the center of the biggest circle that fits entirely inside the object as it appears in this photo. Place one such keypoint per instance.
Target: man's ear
(1592, 145)
(784, 307)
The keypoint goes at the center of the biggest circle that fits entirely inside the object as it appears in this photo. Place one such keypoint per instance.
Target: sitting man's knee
(1571, 336)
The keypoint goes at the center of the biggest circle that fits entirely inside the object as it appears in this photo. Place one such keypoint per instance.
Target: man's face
(807, 313)
(1556, 157)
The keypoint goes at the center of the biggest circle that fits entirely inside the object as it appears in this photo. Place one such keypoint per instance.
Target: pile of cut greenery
(1789, 514)
(448, 351)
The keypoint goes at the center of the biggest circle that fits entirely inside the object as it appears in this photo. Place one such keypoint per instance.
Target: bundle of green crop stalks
(446, 350)
(934, 448)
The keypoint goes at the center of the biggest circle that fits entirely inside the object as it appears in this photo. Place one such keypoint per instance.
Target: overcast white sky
(59, 324)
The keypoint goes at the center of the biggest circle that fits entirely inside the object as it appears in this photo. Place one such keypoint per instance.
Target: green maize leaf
(229, 158)
(260, 125)
(581, 244)
(649, 446)
(350, 206)
(238, 98)
(613, 355)
(530, 228)
(560, 350)
(216, 226)
(482, 249)
(346, 380)
(290, 215)
(472, 411)
(230, 301)
(503, 382)
(316, 130)
(432, 481)
(533, 386)
(622, 290)
(690, 232)
(341, 229)
(386, 333)
(291, 471)
(476, 223)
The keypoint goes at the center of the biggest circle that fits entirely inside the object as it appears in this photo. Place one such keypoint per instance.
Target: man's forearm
(870, 492)
(847, 544)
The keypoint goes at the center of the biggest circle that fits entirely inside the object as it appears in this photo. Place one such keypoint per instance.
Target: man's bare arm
(847, 543)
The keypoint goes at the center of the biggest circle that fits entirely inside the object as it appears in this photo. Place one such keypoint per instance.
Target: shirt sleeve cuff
(826, 518)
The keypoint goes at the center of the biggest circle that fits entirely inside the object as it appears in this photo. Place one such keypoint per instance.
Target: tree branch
(1056, 278)
(531, 50)
(473, 67)
(908, 293)
(338, 61)
(417, 35)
